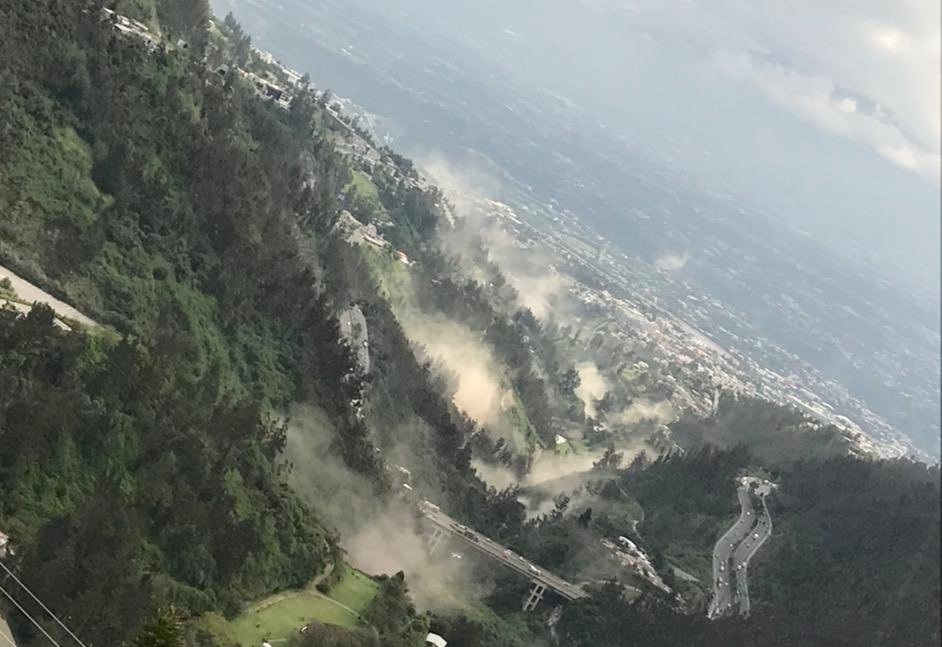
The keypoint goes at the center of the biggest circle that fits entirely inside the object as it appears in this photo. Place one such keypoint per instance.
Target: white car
(535, 569)
(755, 536)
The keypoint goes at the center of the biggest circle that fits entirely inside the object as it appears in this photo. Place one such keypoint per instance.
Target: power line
(47, 609)
(31, 618)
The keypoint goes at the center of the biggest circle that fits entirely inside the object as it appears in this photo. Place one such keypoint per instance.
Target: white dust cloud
(464, 354)
(528, 267)
(592, 387)
(671, 262)
(643, 410)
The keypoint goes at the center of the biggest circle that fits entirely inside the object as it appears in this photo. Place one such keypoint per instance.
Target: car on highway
(506, 554)
(535, 569)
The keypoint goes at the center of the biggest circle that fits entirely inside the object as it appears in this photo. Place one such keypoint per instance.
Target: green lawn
(278, 617)
(364, 186)
(286, 616)
(355, 590)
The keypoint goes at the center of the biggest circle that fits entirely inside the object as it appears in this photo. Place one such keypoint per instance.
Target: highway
(745, 551)
(499, 553)
(723, 551)
(736, 548)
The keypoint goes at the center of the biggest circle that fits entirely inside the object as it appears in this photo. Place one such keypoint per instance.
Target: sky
(826, 112)
(867, 71)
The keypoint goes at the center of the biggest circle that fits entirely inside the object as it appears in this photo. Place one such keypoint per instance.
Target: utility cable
(45, 608)
(31, 618)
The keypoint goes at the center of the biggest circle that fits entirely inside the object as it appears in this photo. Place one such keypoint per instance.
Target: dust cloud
(527, 266)
(554, 474)
(394, 542)
(592, 387)
(671, 262)
(640, 411)
(380, 535)
(465, 355)
(319, 475)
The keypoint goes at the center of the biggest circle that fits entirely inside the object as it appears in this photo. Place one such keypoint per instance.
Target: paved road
(29, 293)
(745, 551)
(723, 551)
(500, 553)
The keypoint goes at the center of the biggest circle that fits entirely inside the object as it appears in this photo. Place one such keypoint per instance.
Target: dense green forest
(854, 561)
(143, 462)
(192, 220)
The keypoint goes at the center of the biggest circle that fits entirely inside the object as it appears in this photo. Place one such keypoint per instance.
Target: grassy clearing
(276, 618)
(394, 278)
(355, 590)
(364, 186)
(285, 616)
(522, 437)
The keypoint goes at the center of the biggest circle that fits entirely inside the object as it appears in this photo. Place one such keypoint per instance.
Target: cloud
(818, 100)
(886, 52)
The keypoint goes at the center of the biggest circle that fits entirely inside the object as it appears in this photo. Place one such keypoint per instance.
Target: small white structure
(5, 547)
(435, 640)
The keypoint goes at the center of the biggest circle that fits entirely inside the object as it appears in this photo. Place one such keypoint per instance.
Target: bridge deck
(499, 553)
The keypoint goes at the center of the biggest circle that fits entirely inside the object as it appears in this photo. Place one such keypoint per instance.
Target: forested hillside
(853, 561)
(214, 441)
(195, 222)
(139, 461)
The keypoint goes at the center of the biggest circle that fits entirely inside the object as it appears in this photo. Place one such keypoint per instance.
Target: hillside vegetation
(145, 464)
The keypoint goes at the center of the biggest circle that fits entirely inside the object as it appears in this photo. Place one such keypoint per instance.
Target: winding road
(734, 550)
(745, 551)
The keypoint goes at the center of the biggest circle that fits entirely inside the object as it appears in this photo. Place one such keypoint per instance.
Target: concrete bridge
(542, 580)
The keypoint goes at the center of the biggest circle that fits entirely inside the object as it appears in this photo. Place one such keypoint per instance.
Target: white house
(434, 640)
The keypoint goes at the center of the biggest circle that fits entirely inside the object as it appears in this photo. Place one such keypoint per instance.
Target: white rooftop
(435, 640)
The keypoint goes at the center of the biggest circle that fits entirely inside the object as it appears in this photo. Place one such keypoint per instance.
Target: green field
(278, 617)
(365, 187)
(355, 590)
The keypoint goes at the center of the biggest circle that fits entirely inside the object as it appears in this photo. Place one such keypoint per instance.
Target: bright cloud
(811, 55)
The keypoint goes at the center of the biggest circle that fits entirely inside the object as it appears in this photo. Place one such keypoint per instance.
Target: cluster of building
(359, 234)
(134, 28)
(636, 316)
